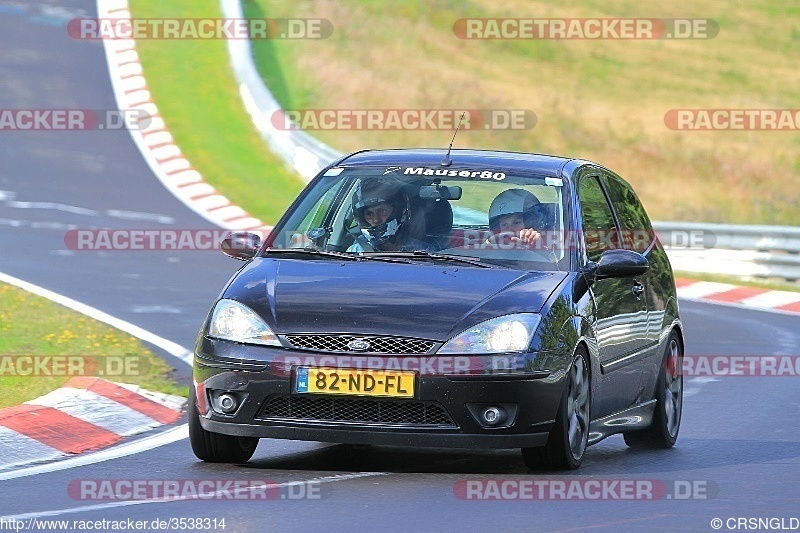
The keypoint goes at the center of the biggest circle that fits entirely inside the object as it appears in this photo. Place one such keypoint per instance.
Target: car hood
(431, 301)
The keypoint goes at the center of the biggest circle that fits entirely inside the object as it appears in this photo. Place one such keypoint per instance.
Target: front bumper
(261, 376)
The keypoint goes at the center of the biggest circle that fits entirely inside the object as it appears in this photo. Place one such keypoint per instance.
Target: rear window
(637, 232)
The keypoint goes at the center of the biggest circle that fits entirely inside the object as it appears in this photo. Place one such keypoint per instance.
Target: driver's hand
(506, 239)
(527, 237)
(300, 240)
(500, 239)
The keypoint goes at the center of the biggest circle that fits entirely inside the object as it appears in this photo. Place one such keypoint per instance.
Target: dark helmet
(373, 192)
(513, 202)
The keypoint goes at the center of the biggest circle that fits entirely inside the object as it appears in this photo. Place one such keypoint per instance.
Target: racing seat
(438, 222)
(545, 215)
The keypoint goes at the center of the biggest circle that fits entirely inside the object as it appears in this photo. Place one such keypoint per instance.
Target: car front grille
(377, 345)
(357, 410)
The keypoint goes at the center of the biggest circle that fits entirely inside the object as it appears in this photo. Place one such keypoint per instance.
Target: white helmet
(512, 202)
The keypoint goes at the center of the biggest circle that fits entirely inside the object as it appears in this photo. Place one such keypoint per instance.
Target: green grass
(599, 100)
(770, 284)
(34, 326)
(192, 84)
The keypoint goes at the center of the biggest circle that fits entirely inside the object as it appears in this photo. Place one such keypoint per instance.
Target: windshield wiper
(350, 256)
(308, 250)
(400, 257)
(423, 254)
(381, 256)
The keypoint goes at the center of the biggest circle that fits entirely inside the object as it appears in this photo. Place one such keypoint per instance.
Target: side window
(637, 233)
(316, 208)
(599, 228)
(316, 214)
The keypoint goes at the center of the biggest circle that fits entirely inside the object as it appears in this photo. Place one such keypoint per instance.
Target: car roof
(547, 165)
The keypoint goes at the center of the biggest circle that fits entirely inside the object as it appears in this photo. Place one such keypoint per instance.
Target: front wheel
(663, 432)
(566, 444)
(216, 447)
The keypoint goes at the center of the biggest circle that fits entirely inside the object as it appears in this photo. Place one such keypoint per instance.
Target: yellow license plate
(356, 382)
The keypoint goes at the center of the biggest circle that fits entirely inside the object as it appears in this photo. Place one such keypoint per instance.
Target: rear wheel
(566, 444)
(663, 432)
(216, 447)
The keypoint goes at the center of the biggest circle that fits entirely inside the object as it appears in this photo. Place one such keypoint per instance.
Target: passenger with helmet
(382, 211)
(512, 215)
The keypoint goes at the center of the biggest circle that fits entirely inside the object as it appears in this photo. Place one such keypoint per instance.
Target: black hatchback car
(476, 299)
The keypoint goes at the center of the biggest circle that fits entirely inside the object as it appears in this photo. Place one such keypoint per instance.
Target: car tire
(663, 432)
(216, 447)
(567, 442)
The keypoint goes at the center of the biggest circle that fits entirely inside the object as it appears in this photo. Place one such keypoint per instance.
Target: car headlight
(232, 321)
(510, 333)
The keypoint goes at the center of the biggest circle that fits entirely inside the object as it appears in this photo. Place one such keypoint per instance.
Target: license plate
(356, 382)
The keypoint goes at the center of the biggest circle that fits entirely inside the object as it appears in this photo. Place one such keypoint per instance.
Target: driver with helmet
(382, 210)
(512, 215)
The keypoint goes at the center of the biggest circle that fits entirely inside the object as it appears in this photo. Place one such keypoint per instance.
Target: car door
(620, 315)
(638, 235)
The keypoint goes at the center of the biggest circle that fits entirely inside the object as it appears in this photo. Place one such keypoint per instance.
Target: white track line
(168, 346)
(144, 444)
(156, 145)
(122, 450)
(166, 437)
(128, 503)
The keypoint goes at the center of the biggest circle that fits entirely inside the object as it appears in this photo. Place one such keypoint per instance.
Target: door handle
(637, 289)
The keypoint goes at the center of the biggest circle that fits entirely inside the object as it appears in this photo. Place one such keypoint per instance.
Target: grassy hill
(194, 88)
(599, 100)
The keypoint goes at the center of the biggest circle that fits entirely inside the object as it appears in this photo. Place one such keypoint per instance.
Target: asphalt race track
(739, 446)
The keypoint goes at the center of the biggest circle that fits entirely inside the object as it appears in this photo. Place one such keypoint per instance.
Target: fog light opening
(227, 403)
(492, 415)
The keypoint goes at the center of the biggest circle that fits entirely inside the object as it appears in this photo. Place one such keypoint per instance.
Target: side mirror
(620, 264)
(241, 245)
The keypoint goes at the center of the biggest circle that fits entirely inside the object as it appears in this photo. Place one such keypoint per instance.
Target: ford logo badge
(358, 345)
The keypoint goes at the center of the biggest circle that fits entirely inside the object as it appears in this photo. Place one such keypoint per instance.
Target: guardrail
(302, 152)
(743, 251)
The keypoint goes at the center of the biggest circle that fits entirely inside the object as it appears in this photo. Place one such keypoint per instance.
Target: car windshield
(490, 217)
